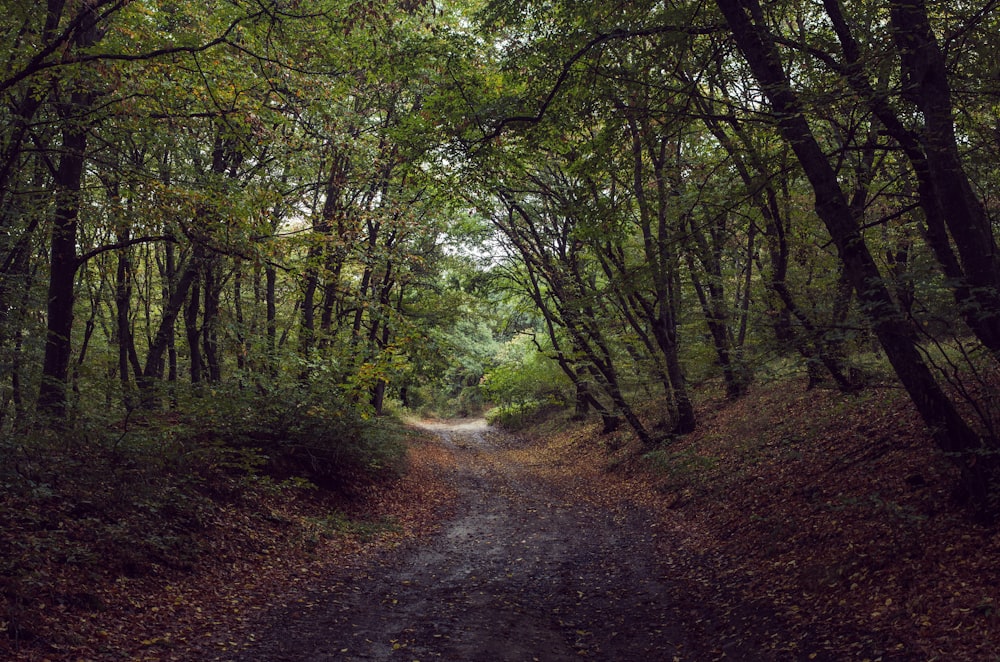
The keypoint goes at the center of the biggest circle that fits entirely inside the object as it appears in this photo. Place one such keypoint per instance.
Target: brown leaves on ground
(831, 514)
(821, 525)
(275, 547)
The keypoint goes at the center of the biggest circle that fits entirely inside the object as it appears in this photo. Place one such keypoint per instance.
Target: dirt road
(521, 572)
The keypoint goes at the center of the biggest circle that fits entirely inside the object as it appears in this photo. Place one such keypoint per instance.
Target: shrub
(524, 382)
(291, 431)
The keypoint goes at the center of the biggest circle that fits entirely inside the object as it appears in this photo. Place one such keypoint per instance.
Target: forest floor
(793, 525)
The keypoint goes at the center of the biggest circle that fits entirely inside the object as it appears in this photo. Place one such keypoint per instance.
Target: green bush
(128, 495)
(523, 382)
(290, 431)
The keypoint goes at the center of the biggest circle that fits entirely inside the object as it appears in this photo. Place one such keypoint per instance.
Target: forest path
(521, 572)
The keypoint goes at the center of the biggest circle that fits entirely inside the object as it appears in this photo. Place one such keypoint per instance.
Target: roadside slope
(832, 512)
(263, 549)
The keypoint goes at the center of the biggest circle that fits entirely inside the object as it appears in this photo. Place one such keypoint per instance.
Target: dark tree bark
(334, 209)
(307, 324)
(16, 282)
(638, 309)
(951, 432)
(82, 32)
(170, 285)
(210, 321)
(63, 259)
(956, 219)
(707, 282)
(128, 358)
(270, 294)
(926, 85)
(242, 349)
(162, 341)
(191, 330)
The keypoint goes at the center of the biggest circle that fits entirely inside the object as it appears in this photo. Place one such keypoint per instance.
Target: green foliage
(465, 350)
(523, 381)
(290, 431)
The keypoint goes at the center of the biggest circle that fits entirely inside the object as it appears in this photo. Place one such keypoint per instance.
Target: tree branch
(82, 259)
(614, 35)
(38, 63)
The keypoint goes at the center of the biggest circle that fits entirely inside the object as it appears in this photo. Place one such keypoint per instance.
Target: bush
(292, 431)
(129, 497)
(524, 382)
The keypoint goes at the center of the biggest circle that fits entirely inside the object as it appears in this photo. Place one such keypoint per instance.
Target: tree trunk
(578, 373)
(307, 325)
(210, 322)
(171, 339)
(951, 432)
(717, 319)
(242, 349)
(191, 330)
(163, 339)
(20, 274)
(270, 294)
(661, 262)
(63, 261)
(128, 359)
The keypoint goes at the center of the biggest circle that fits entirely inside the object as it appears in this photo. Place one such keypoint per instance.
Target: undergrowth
(130, 498)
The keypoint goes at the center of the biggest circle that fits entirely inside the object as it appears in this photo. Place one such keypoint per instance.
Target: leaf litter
(792, 524)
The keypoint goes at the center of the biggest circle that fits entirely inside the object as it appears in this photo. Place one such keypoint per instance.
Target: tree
(73, 108)
(952, 433)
